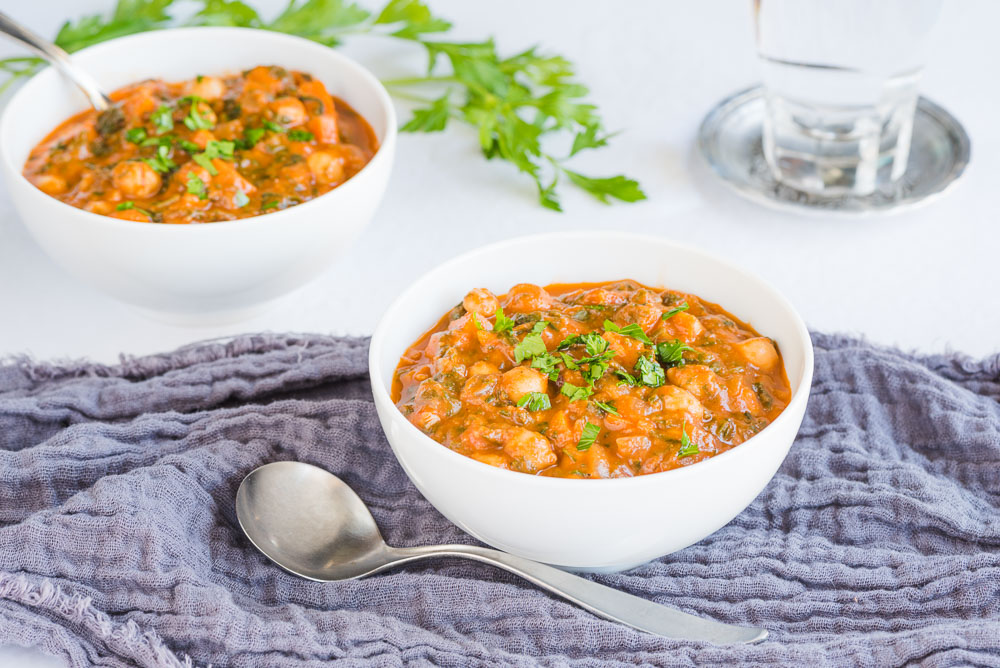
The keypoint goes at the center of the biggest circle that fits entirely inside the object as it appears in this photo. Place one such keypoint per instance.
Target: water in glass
(840, 82)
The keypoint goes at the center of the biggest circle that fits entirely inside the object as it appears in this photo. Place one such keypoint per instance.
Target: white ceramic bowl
(198, 272)
(590, 524)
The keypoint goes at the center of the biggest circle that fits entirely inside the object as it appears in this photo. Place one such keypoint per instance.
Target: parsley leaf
(595, 343)
(129, 204)
(196, 186)
(607, 408)
(671, 353)
(503, 323)
(571, 340)
(650, 373)
(273, 127)
(535, 401)
(677, 309)
(163, 118)
(136, 135)
(588, 436)
(432, 119)
(575, 393)
(633, 330)
(161, 161)
(548, 364)
(195, 119)
(529, 346)
(240, 199)
(688, 447)
(627, 378)
(300, 135)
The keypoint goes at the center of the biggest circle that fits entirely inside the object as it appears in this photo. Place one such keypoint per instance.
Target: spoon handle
(598, 599)
(57, 57)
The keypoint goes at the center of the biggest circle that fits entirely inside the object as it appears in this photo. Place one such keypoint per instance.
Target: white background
(925, 279)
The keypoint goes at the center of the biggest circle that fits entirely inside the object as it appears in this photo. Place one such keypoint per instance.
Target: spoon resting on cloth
(110, 114)
(312, 524)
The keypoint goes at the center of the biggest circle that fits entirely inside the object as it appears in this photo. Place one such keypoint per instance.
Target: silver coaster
(730, 141)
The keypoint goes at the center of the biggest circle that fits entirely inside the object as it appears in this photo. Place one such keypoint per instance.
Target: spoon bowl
(309, 522)
(312, 524)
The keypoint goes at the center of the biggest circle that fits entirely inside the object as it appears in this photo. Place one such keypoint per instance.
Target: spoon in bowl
(312, 524)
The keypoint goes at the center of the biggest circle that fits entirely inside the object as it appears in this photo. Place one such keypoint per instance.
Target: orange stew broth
(205, 150)
(704, 383)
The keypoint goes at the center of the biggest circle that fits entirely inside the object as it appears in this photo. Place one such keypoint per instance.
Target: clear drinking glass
(840, 81)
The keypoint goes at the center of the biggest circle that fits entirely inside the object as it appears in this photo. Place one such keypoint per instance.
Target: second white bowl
(204, 272)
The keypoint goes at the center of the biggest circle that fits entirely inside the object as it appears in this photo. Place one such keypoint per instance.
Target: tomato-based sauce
(205, 150)
(590, 380)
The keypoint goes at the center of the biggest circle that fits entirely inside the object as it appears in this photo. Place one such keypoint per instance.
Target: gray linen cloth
(876, 544)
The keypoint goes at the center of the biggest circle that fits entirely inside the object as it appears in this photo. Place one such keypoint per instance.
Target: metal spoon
(57, 57)
(312, 524)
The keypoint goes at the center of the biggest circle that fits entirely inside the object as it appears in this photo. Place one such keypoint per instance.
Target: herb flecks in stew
(205, 150)
(590, 380)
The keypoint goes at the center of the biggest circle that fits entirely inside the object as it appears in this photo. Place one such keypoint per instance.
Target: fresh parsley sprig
(516, 103)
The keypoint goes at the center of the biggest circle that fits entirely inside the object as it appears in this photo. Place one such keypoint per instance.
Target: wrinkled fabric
(876, 543)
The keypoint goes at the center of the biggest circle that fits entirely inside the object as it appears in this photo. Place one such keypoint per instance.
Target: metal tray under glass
(730, 141)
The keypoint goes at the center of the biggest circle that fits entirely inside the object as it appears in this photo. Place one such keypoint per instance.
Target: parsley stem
(410, 81)
(410, 97)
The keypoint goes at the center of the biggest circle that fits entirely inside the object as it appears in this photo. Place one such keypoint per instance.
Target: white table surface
(925, 279)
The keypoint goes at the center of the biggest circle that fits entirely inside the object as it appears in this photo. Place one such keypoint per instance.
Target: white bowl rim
(799, 397)
(385, 101)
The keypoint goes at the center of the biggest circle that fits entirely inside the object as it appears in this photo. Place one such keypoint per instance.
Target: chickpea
(289, 111)
(758, 351)
(326, 167)
(100, 207)
(481, 301)
(50, 184)
(525, 297)
(522, 380)
(207, 88)
(136, 179)
(532, 449)
(482, 368)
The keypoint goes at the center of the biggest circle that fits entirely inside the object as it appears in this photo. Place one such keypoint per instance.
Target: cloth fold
(877, 543)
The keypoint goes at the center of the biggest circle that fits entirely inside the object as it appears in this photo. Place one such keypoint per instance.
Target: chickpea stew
(205, 150)
(590, 380)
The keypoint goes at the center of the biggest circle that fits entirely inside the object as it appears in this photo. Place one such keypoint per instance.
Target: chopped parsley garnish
(503, 323)
(607, 408)
(539, 326)
(129, 204)
(250, 138)
(163, 118)
(535, 401)
(576, 393)
(677, 309)
(571, 340)
(273, 127)
(214, 149)
(196, 120)
(269, 204)
(627, 378)
(650, 373)
(135, 135)
(530, 346)
(240, 199)
(196, 186)
(688, 447)
(161, 162)
(188, 146)
(671, 353)
(595, 343)
(300, 135)
(633, 330)
(588, 436)
(548, 364)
